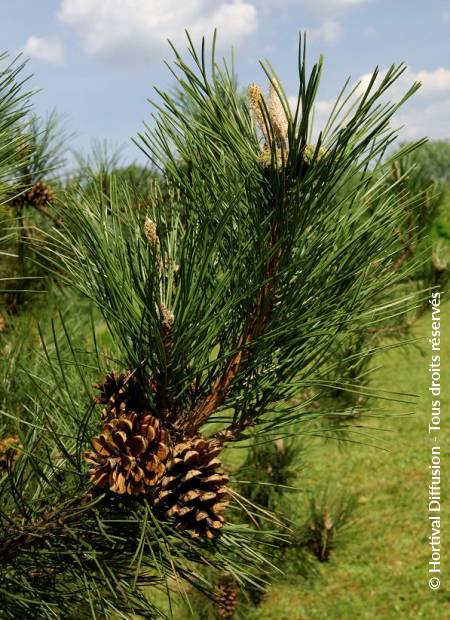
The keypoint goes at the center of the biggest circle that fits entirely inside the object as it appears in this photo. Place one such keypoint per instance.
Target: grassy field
(382, 572)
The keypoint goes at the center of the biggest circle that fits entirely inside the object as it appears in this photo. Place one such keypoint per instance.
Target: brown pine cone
(119, 392)
(129, 455)
(193, 490)
(226, 597)
(9, 451)
(37, 196)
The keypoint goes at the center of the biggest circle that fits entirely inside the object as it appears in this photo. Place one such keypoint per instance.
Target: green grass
(382, 572)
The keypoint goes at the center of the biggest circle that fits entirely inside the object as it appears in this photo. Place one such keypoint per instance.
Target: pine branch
(260, 316)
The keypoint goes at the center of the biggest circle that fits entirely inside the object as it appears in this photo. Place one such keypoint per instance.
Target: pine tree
(31, 188)
(14, 112)
(221, 304)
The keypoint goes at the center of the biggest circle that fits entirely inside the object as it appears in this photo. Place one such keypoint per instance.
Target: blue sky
(96, 61)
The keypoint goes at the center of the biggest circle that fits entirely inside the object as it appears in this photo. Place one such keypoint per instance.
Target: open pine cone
(193, 490)
(129, 455)
(119, 391)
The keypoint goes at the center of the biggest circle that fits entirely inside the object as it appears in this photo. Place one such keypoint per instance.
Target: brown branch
(407, 252)
(161, 393)
(50, 524)
(234, 430)
(221, 386)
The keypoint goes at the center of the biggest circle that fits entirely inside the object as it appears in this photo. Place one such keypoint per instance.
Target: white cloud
(329, 7)
(322, 111)
(132, 29)
(427, 113)
(432, 121)
(328, 13)
(333, 4)
(48, 50)
(446, 15)
(322, 107)
(433, 82)
(328, 32)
